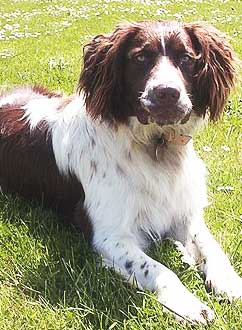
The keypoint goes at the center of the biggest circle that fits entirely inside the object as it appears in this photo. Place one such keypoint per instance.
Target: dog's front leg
(220, 275)
(200, 245)
(124, 255)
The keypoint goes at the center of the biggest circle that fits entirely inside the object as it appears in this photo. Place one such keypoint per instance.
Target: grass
(49, 276)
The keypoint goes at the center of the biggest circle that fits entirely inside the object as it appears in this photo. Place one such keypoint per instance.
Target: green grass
(49, 276)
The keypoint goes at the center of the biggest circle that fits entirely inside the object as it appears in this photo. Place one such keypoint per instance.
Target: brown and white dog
(118, 156)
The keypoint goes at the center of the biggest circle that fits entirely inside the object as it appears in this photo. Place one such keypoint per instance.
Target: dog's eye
(186, 60)
(140, 58)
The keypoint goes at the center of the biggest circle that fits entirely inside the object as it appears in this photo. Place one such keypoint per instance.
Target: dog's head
(157, 71)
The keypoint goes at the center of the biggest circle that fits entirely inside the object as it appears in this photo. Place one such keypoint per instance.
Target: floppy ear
(215, 69)
(102, 76)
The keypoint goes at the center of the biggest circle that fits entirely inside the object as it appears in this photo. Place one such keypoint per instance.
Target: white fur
(162, 39)
(19, 95)
(131, 196)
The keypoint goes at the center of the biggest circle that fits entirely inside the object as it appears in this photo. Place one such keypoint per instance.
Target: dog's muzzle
(163, 104)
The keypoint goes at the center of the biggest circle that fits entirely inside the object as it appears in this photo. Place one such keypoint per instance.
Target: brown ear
(215, 69)
(102, 76)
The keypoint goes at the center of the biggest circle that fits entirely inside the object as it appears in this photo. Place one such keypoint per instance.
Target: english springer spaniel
(118, 158)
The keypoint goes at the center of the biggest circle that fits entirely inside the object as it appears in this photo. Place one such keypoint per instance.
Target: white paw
(194, 311)
(224, 282)
(183, 304)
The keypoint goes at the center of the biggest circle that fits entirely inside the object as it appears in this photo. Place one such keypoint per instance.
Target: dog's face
(157, 71)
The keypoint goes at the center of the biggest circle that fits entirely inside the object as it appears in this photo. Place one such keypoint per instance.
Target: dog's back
(27, 161)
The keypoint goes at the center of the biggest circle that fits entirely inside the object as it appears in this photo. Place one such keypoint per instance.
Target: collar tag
(173, 137)
(170, 136)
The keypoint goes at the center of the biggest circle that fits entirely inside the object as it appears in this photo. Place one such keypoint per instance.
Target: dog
(117, 158)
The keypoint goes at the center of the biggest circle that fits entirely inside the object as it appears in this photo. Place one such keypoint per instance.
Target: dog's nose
(167, 95)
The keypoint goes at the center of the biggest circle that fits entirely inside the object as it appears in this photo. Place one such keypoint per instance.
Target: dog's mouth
(170, 117)
(143, 115)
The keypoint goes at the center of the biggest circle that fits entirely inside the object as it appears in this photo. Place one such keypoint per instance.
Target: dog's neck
(179, 134)
(158, 140)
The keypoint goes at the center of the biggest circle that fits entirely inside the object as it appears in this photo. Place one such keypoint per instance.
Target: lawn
(49, 276)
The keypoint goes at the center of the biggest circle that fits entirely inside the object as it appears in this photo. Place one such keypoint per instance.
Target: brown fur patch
(65, 102)
(82, 221)
(44, 91)
(27, 163)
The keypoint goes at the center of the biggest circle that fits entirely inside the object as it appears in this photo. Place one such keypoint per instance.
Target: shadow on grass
(57, 267)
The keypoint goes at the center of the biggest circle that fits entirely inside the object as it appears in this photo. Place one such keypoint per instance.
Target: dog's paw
(184, 305)
(194, 312)
(225, 282)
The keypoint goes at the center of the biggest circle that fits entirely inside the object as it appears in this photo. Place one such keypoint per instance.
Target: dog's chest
(166, 191)
(146, 195)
